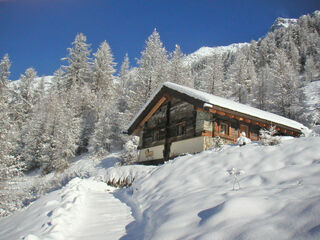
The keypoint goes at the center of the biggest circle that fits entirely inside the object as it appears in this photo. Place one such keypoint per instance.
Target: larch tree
(261, 88)
(286, 94)
(5, 65)
(10, 165)
(213, 76)
(107, 90)
(78, 71)
(241, 76)
(179, 72)
(103, 69)
(153, 66)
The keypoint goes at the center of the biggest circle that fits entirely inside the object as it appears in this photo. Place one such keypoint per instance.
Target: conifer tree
(286, 93)
(5, 65)
(213, 76)
(10, 165)
(78, 71)
(103, 68)
(153, 66)
(178, 72)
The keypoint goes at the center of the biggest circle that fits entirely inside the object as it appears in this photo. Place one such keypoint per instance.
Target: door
(245, 129)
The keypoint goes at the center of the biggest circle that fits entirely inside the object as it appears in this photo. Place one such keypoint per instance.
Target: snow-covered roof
(213, 100)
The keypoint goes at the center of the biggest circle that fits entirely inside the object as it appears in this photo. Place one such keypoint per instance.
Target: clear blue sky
(37, 32)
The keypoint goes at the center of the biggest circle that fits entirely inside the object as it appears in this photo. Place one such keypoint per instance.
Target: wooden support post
(167, 143)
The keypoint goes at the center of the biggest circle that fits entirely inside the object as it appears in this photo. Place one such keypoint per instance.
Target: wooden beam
(230, 115)
(239, 118)
(200, 109)
(149, 115)
(152, 111)
(212, 110)
(221, 113)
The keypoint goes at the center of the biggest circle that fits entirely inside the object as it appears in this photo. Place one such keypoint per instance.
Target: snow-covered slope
(46, 79)
(190, 197)
(210, 51)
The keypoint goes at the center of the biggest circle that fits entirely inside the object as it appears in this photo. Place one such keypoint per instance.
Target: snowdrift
(190, 197)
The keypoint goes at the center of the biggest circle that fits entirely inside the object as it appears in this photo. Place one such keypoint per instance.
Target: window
(224, 129)
(181, 129)
(156, 135)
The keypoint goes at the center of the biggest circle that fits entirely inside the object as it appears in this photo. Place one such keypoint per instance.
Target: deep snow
(190, 197)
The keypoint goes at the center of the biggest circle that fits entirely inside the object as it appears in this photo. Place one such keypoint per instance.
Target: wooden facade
(174, 122)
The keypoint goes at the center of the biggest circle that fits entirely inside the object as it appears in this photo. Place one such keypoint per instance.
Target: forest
(86, 106)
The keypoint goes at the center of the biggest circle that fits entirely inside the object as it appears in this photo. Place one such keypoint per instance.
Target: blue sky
(37, 32)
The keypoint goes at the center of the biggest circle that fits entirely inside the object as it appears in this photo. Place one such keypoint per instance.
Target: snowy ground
(190, 197)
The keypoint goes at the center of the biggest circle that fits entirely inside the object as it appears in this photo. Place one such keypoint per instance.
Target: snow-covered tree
(286, 94)
(261, 88)
(78, 71)
(179, 72)
(103, 68)
(268, 136)
(61, 135)
(100, 142)
(212, 76)
(5, 65)
(10, 165)
(311, 70)
(125, 83)
(241, 77)
(153, 66)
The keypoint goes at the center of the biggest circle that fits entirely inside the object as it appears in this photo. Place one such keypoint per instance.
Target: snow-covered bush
(218, 143)
(267, 136)
(130, 153)
(243, 140)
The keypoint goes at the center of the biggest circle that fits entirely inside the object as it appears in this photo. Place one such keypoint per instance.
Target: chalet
(177, 120)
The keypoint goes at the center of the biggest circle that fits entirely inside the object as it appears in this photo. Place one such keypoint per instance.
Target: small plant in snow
(218, 143)
(267, 136)
(121, 182)
(243, 140)
(235, 173)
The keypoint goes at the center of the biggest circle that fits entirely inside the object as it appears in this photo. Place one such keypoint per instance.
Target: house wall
(191, 145)
(154, 130)
(154, 153)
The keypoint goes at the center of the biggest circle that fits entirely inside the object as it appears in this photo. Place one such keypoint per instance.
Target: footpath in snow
(83, 209)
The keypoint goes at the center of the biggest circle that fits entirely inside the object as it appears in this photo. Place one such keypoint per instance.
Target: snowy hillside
(46, 79)
(190, 197)
(210, 51)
